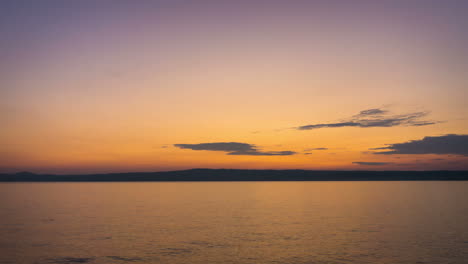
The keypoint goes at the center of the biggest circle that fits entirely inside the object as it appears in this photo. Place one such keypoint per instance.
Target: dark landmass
(243, 175)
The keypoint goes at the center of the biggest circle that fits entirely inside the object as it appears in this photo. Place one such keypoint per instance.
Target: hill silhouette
(244, 175)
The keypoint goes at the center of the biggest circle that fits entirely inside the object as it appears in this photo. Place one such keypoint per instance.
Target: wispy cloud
(310, 149)
(373, 111)
(376, 117)
(368, 163)
(447, 144)
(234, 148)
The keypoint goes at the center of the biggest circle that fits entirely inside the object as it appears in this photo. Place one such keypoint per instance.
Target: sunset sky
(115, 86)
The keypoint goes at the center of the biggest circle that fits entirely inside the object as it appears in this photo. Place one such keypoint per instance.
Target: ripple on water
(205, 244)
(175, 251)
(70, 260)
(128, 259)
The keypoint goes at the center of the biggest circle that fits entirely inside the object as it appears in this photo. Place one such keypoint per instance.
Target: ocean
(234, 222)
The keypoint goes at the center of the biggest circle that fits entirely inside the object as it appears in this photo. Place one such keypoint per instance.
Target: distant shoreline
(242, 175)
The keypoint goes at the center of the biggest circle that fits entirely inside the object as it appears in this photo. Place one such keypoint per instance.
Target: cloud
(376, 118)
(343, 124)
(370, 112)
(447, 144)
(260, 153)
(234, 148)
(219, 146)
(367, 163)
(310, 149)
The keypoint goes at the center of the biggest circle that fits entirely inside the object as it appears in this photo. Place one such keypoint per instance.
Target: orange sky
(98, 88)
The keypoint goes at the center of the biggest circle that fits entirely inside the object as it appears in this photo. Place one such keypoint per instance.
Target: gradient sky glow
(110, 86)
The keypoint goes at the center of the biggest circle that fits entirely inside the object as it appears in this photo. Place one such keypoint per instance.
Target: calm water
(234, 222)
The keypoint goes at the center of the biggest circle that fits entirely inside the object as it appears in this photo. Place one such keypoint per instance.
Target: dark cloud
(218, 146)
(308, 153)
(343, 124)
(376, 118)
(261, 153)
(378, 148)
(447, 144)
(367, 163)
(310, 149)
(370, 112)
(234, 148)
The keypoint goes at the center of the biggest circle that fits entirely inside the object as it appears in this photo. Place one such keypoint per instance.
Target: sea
(234, 222)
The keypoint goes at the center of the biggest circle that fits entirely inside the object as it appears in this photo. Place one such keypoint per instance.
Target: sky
(116, 86)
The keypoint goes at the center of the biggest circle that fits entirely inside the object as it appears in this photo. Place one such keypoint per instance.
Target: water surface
(234, 222)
